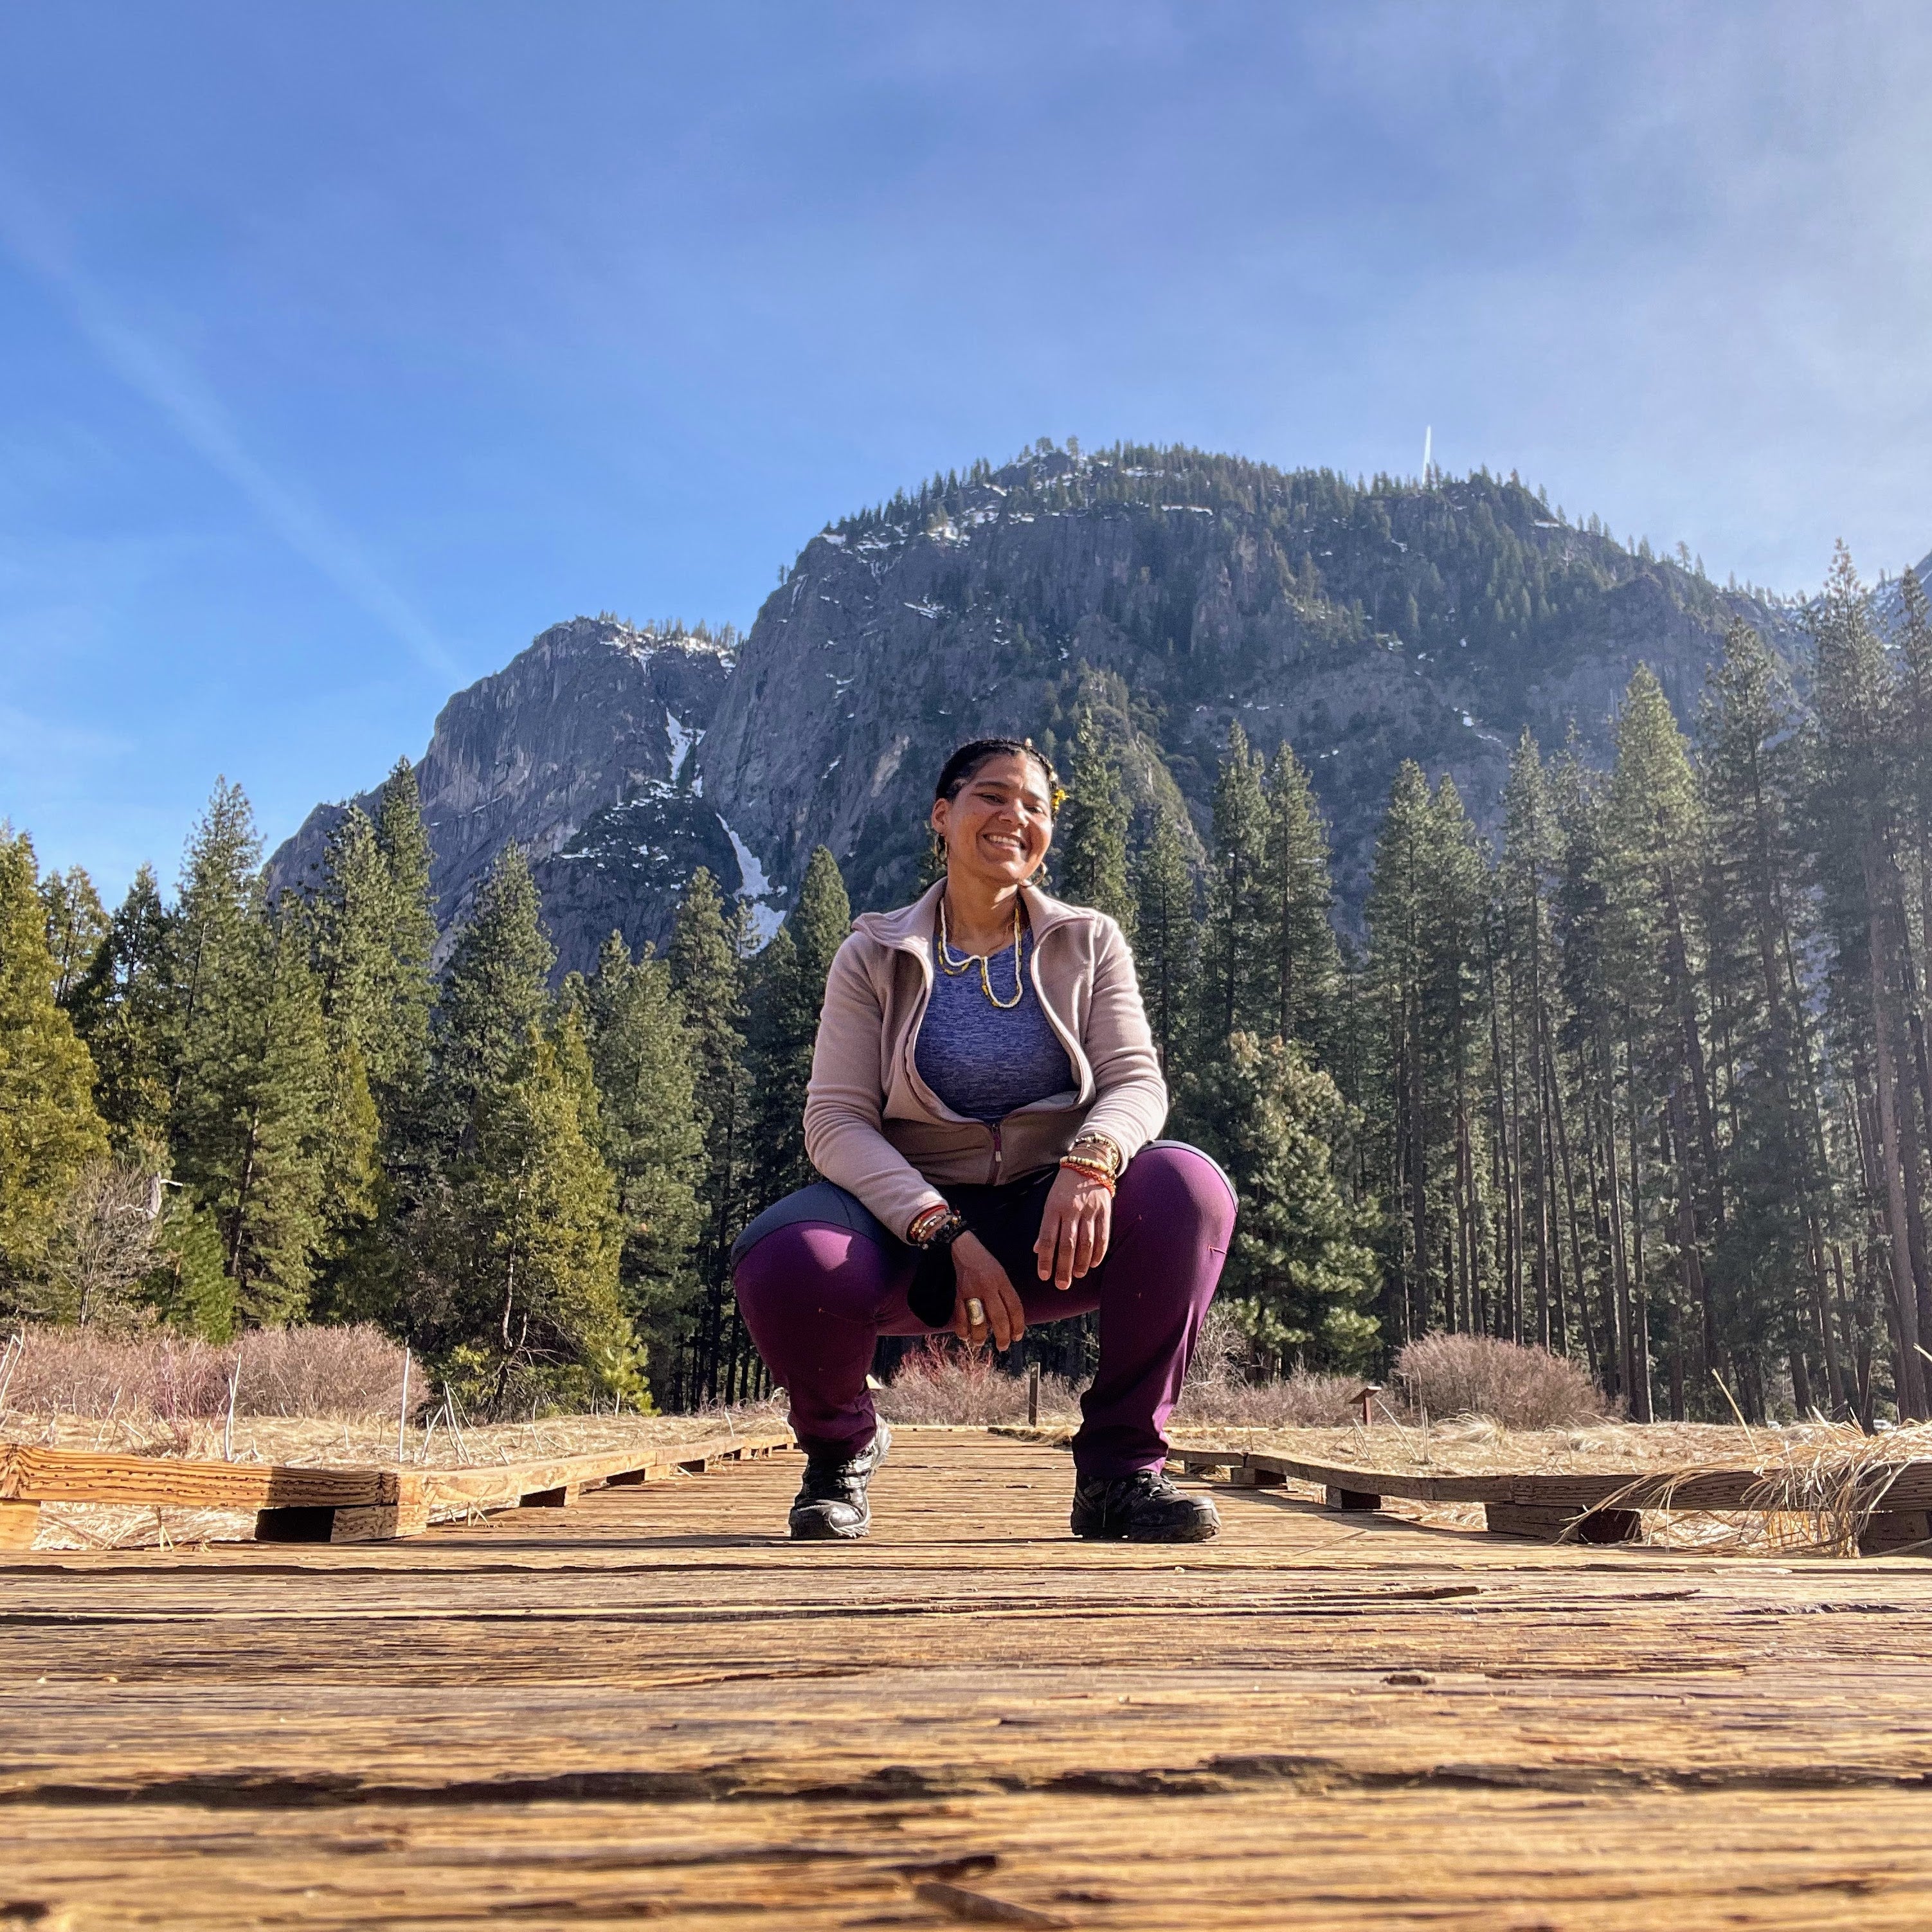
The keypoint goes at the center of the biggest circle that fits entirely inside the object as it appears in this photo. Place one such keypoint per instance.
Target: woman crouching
(984, 1100)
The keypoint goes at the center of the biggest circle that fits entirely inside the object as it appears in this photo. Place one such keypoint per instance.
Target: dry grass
(307, 1397)
(311, 1443)
(437, 1443)
(157, 1376)
(940, 1381)
(1477, 1374)
(1821, 1481)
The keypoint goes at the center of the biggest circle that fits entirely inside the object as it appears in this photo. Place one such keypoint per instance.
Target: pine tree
(1653, 845)
(1853, 805)
(218, 901)
(1303, 963)
(545, 1231)
(76, 925)
(1593, 1036)
(354, 963)
(251, 1122)
(400, 1065)
(706, 972)
(127, 1007)
(1299, 1273)
(1534, 1175)
(1167, 935)
(189, 1288)
(1234, 991)
(1396, 973)
(49, 1128)
(787, 993)
(641, 1053)
(352, 954)
(1770, 1272)
(496, 991)
(1090, 838)
(1456, 1044)
(252, 1076)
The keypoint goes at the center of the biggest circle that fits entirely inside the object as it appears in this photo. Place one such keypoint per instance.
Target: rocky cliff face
(1182, 593)
(580, 750)
(1175, 593)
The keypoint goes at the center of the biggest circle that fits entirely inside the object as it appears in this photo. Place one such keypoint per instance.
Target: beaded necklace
(968, 960)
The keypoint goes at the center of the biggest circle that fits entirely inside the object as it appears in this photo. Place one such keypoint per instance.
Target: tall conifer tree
(641, 1053)
(788, 990)
(1772, 1287)
(706, 971)
(1235, 993)
(1303, 964)
(1167, 936)
(76, 925)
(1853, 806)
(1300, 1273)
(127, 1007)
(248, 1123)
(1090, 839)
(49, 1128)
(495, 991)
(402, 1065)
(1397, 973)
(547, 1231)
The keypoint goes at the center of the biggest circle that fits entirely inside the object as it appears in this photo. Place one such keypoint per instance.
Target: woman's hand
(981, 1279)
(1073, 1230)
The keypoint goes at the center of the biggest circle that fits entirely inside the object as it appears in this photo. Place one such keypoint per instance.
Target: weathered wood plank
(1551, 1523)
(1359, 1501)
(1898, 1486)
(1894, 1532)
(279, 1491)
(459, 1492)
(1318, 1720)
(76, 1476)
(19, 1522)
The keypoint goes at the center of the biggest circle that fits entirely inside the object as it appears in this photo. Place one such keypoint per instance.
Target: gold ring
(976, 1311)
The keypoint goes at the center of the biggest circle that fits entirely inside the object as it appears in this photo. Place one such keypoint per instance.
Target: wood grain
(650, 1705)
(406, 1501)
(1901, 1486)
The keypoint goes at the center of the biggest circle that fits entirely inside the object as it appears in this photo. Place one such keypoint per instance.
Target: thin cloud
(199, 418)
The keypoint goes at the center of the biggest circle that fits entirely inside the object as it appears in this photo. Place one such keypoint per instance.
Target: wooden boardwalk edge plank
(297, 1503)
(1893, 1497)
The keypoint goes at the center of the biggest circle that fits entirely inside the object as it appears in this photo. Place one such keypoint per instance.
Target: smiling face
(998, 827)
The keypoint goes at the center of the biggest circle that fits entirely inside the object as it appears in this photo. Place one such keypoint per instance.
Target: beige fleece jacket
(874, 1127)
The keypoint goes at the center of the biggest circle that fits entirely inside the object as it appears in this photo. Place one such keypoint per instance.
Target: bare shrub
(105, 1236)
(1218, 1390)
(1477, 1374)
(342, 1374)
(1301, 1400)
(941, 1381)
(336, 1373)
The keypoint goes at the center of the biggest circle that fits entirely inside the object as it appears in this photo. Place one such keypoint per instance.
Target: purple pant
(819, 1280)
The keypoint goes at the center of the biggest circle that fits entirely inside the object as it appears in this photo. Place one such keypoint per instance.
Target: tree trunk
(1891, 1179)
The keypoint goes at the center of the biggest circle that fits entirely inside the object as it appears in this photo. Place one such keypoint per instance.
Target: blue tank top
(982, 1061)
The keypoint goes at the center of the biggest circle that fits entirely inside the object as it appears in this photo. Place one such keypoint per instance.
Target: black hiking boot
(831, 1502)
(1144, 1508)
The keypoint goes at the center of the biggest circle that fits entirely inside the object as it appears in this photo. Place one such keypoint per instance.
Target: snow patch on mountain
(763, 918)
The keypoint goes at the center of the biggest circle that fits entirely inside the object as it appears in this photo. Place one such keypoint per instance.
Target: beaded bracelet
(1104, 1151)
(1091, 1169)
(926, 1223)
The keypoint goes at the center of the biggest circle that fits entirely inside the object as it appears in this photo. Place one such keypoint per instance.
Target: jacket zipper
(999, 1154)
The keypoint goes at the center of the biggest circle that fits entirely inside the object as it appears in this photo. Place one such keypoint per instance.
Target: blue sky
(344, 346)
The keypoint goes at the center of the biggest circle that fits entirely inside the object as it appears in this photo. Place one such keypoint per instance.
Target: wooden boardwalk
(648, 1706)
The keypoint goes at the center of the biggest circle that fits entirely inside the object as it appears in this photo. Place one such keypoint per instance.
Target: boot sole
(824, 1532)
(1192, 1532)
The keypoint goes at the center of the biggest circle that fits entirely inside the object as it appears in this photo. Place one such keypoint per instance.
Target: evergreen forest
(1644, 1080)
